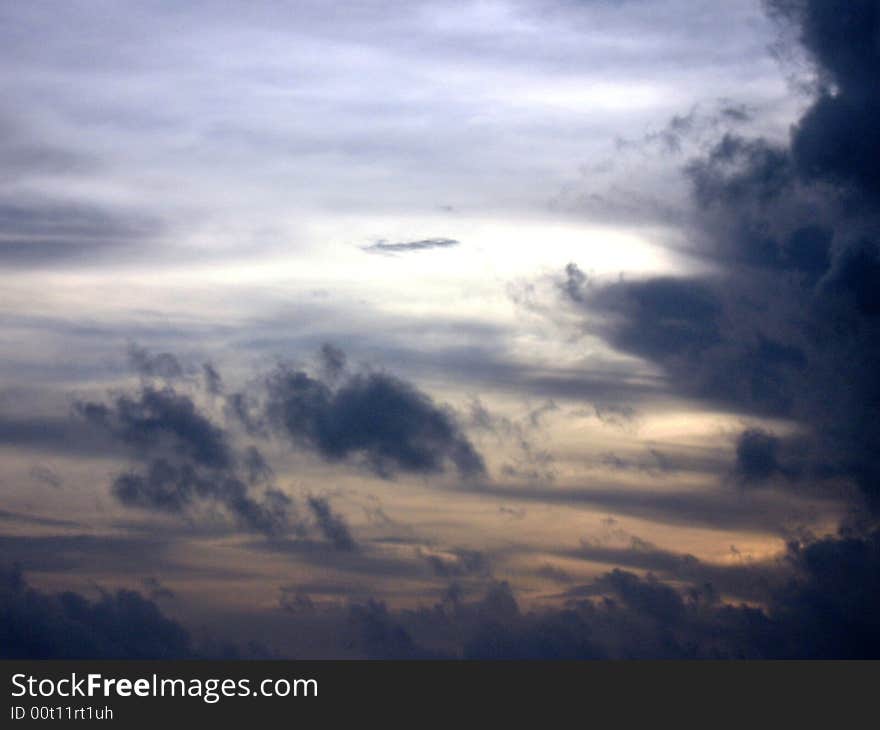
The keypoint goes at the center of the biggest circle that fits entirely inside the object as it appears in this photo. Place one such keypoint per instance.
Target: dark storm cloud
(824, 605)
(375, 416)
(424, 245)
(788, 325)
(837, 139)
(120, 625)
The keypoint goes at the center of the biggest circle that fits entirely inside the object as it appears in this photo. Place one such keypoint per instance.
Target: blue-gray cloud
(425, 244)
(375, 416)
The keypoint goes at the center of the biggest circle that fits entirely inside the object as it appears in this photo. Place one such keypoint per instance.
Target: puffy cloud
(826, 608)
(174, 488)
(184, 458)
(120, 625)
(375, 416)
(158, 417)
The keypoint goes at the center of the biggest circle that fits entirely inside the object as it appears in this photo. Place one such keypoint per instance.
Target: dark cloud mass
(788, 323)
(385, 421)
(120, 625)
(183, 458)
(154, 418)
(827, 609)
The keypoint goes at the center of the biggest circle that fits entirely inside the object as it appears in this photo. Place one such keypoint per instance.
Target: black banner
(142, 694)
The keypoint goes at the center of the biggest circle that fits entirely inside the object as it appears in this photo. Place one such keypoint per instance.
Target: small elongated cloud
(383, 247)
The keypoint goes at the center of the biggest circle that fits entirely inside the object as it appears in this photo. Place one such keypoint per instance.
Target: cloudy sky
(542, 328)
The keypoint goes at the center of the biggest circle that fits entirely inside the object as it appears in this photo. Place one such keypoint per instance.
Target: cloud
(836, 140)
(120, 625)
(825, 608)
(56, 435)
(38, 233)
(173, 488)
(333, 361)
(756, 455)
(332, 525)
(786, 323)
(163, 365)
(375, 416)
(383, 247)
(380, 636)
(184, 458)
(719, 508)
(155, 418)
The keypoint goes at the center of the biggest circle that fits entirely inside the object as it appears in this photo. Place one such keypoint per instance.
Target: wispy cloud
(426, 244)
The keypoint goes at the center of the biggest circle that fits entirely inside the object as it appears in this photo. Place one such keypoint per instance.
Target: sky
(516, 329)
